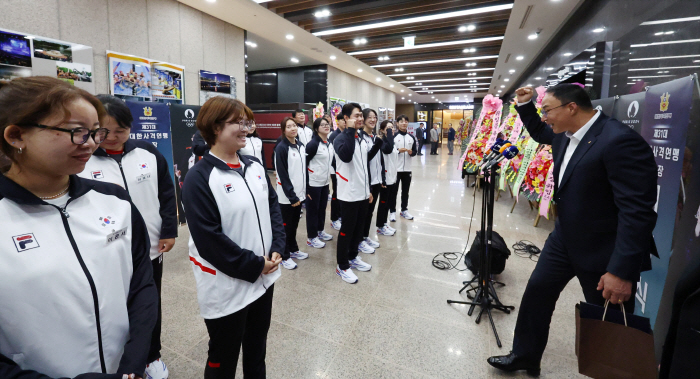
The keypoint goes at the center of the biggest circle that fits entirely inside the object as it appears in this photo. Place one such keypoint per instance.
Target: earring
(20, 151)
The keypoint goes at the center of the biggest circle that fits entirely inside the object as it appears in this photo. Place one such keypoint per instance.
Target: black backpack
(499, 254)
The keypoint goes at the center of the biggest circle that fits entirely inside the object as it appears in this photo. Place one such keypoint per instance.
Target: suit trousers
(553, 272)
(353, 213)
(385, 203)
(247, 327)
(290, 219)
(403, 177)
(433, 147)
(316, 210)
(335, 203)
(375, 189)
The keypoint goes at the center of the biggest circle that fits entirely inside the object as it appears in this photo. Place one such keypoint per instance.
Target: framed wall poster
(213, 84)
(391, 114)
(130, 76)
(422, 116)
(23, 55)
(168, 83)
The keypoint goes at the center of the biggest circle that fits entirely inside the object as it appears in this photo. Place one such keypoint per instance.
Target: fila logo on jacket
(61, 268)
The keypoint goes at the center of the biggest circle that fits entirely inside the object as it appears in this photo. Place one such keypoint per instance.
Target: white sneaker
(324, 236)
(371, 242)
(392, 216)
(385, 231)
(346, 275)
(360, 265)
(336, 224)
(314, 242)
(156, 370)
(389, 227)
(300, 254)
(365, 248)
(289, 264)
(406, 215)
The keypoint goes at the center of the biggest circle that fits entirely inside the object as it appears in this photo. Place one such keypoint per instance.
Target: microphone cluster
(500, 151)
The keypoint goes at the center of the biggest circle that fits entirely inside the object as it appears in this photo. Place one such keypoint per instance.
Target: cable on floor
(443, 261)
(526, 249)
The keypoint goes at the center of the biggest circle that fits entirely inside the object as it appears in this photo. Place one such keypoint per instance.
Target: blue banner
(664, 127)
(152, 124)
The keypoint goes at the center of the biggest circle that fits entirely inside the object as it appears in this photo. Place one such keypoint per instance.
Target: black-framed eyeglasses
(79, 135)
(544, 113)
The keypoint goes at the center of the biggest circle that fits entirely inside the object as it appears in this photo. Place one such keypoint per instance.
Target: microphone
(494, 150)
(509, 153)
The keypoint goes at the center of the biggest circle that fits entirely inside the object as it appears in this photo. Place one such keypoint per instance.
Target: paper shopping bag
(613, 345)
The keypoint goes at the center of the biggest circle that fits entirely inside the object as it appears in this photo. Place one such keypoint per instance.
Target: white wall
(350, 87)
(157, 29)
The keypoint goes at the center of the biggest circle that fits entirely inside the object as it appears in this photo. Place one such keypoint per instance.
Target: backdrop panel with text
(183, 120)
(629, 109)
(152, 123)
(664, 127)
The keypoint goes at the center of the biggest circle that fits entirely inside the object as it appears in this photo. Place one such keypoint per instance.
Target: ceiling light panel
(413, 20)
(428, 45)
(436, 61)
(445, 72)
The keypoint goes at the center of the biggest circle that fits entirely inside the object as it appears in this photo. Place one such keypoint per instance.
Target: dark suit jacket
(606, 197)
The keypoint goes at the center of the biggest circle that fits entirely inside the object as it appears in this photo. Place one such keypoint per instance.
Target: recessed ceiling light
(294, 60)
(519, 57)
(506, 80)
(359, 70)
(658, 33)
(499, 91)
(403, 98)
(598, 30)
(379, 79)
(410, 94)
(323, 13)
(533, 36)
(211, 1)
(432, 97)
(401, 90)
(670, 32)
(289, 37)
(462, 29)
(511, 71)
(529, 85)
(391, 86)
(471, 27)
(251, 44)
(568, 54)
(503, 86)
(549, 68)
(538, 78)
(332, 57)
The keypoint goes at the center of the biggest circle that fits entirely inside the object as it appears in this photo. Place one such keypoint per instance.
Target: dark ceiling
(475, 77)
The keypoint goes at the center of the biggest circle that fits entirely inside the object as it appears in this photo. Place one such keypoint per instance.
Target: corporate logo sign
(633, 109)
(24, 242)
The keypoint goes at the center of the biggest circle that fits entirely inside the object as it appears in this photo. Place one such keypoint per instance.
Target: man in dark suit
(605, 190)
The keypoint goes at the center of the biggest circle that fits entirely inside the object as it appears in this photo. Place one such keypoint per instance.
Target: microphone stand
(486, 297)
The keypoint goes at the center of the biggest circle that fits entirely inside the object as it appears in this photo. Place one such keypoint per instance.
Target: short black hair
(349, 107)
(402, 117)
(117, 109)
(571, 93)
(294, 114)
(340, 117)
(422, 124)
(317, 124)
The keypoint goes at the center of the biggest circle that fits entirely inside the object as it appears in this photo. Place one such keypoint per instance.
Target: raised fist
(524, 94)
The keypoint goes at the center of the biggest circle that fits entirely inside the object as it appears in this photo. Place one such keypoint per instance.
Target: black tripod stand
(485, 296)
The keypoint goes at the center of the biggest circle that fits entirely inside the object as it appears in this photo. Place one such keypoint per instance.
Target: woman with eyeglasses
(142, 170)
(236, 241)
(292, 178)
(319, 160)
(77, 293)
(254, 145)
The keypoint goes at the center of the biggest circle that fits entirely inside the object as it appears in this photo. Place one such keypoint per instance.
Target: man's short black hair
(402, 117)
(340, 117)
(422, 124)
(294, 114)
(349, 107)
(571, 93)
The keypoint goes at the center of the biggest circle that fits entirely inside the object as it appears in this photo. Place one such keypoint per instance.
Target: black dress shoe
(512, 362)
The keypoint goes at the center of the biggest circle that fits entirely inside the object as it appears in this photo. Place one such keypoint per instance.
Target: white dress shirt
(574, 140)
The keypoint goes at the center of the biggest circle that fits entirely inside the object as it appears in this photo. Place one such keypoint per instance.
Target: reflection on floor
(394, 323)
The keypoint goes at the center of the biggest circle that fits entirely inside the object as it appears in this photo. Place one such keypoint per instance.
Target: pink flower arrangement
(540, 95)
(491, 103)
(536, 175)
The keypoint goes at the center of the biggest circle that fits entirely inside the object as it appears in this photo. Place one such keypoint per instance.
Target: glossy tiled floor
(395, 322)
